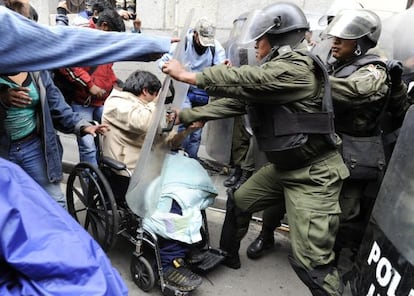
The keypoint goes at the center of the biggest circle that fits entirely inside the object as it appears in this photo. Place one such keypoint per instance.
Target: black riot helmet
(283, 22)
(362, 25)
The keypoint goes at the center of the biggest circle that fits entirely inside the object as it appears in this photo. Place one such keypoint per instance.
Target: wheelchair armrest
(113, 164)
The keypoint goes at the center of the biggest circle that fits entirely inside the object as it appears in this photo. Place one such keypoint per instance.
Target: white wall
(168, 16)
(171, 14)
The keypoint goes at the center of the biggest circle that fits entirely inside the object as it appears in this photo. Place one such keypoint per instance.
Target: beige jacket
(129, 119)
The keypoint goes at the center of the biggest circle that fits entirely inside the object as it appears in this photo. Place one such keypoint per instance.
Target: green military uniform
(242, 148)
(359, 98)
(308, 179)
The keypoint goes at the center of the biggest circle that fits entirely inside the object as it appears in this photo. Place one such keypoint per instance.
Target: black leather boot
(263, 242)
(228, 241)
(234, 177)
(234, 228)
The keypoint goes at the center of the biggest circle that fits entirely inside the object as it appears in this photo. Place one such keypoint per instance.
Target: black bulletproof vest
(347, 69)
(277, 128)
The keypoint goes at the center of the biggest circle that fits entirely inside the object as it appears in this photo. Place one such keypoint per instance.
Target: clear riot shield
(218, 133)
(385, 262)
(398, 43)
(150, 163)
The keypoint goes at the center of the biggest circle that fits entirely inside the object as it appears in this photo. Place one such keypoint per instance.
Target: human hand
(171, 116)
(62, 4)
(96, 129)
(16, 97)
(195, 125)
(175, 39)
(137, 25)
(395, 69)
(125, 14)
(97, 91)
(227, 62)
(173, 68)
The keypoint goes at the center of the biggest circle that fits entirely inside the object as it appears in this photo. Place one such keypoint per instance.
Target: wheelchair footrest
(212, 258)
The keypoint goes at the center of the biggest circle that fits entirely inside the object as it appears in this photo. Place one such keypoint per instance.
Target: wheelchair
(96, 199)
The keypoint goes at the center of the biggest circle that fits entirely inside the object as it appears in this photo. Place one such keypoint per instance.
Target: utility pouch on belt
(364, 157)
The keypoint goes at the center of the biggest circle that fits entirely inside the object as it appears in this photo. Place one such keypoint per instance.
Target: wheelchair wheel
(91, 202)
(142, 273)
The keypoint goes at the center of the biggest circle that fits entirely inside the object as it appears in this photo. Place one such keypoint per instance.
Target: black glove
(395, 70)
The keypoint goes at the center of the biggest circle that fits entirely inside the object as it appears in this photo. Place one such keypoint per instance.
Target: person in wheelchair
(128, 114)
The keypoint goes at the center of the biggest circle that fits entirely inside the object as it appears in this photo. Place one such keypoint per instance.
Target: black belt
(29, 137)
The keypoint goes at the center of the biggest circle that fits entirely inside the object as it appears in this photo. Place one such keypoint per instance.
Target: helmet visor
(352, 24)
(242, 54)
(255, 26)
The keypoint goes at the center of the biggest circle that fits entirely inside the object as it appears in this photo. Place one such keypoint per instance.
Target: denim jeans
(30, 157)
(191, 143)
(86, 144)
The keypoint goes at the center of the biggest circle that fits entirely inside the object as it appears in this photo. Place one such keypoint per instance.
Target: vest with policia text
(278, 129)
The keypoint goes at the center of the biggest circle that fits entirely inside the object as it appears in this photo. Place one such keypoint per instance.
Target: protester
(32, 107)
(201, 50)
(86, 88)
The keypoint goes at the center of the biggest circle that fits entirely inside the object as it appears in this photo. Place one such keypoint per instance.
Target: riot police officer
(306, 171)
(365, 96)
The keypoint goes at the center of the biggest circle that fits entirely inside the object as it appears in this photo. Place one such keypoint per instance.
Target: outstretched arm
(28, 46)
